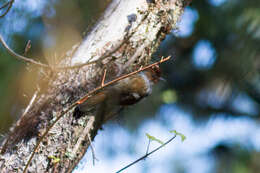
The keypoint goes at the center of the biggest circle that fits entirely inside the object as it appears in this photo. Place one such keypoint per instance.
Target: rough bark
(138, 26)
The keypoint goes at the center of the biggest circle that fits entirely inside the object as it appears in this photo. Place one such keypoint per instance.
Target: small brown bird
(123, 93)
(109, 101)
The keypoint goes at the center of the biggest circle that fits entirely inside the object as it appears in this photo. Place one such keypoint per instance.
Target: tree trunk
(133, 29)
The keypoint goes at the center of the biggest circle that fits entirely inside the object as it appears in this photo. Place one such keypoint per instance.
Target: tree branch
(112, 43)
(147, 154)
(9, 4)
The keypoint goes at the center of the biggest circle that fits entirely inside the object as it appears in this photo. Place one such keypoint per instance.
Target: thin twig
(104, 77)
(27, 47)
(83, 99)
(92, 150)
(5, 5)
(30, 104)
(147, 149)
(146, 155)
(10, 51)
(9, 7)
(16, 55)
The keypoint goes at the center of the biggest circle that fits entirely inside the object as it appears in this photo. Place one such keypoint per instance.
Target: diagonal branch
(10, 3)
(83, 99)
(16, 55)
(147, 154)
(5, 5)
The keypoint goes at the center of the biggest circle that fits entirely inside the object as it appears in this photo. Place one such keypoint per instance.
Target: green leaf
(54, 159)
(152, 138)
(183, 137)
(169, 96)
